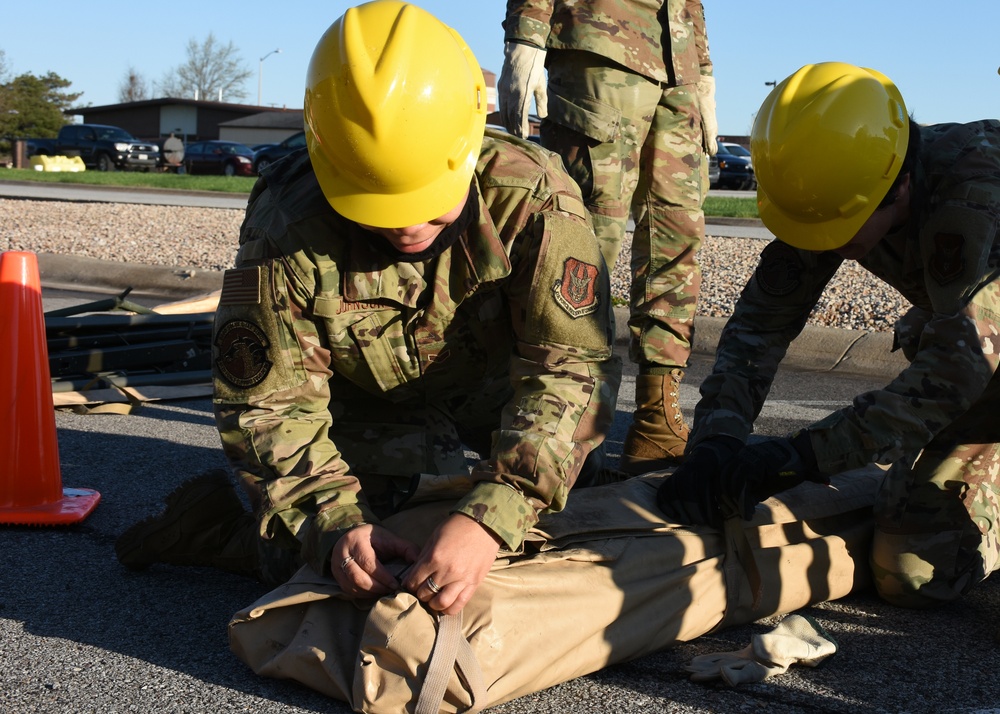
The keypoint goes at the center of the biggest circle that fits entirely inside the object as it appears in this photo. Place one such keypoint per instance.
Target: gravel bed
(206, 238)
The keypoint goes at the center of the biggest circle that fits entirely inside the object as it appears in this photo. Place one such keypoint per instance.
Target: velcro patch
(576, 290)
(241, 286)
(947, 262)
(779, 272)
(242, 353)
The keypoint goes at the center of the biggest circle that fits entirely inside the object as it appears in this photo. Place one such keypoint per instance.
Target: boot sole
(128, 547)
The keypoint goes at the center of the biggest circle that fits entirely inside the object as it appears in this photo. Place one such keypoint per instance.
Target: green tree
(33, 106)
(213, 71)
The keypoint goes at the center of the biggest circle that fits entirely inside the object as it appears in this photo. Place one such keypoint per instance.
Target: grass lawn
(735, 207)
(135, 179)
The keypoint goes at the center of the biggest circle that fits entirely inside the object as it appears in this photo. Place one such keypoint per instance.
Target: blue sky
(944, 60)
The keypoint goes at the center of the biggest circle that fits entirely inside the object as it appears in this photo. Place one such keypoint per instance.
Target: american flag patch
(241, 286)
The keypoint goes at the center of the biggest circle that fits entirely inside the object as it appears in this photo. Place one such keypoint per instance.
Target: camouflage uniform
(347, 380)
(936, 518)
(623, 113)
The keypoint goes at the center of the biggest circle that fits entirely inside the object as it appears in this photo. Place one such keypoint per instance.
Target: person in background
(844, 174)
(406, 288)
(630, 106)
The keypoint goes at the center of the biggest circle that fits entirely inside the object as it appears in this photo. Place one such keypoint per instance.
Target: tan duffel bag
(604, 581)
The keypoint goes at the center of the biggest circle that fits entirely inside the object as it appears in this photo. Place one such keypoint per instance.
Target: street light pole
(260, 71)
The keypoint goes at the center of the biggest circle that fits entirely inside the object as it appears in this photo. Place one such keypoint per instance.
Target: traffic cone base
(75, 505)
(31, 490)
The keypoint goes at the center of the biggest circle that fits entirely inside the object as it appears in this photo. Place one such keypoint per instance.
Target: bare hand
(453, 563)
(357, 560)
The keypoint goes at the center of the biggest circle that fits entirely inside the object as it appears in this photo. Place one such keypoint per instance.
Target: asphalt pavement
(78, 633)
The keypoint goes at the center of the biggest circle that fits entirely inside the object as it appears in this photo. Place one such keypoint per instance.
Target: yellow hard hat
(826, 146)
(395, 112)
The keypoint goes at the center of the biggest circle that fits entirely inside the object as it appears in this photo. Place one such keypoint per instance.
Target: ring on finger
(345, 562)
(432, 586)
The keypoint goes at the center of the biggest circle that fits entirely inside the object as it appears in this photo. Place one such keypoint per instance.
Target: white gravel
(206, 238)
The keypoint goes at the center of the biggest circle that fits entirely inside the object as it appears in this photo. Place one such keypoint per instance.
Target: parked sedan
(218, 157)
(279, 151)
(735, 168)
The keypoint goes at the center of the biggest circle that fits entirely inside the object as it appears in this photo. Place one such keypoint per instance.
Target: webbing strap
(739, 566)
(451, 649)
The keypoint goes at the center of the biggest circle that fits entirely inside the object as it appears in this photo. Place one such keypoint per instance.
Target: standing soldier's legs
(666, 277)
(937, 524)
(630, 144)
(598, 118)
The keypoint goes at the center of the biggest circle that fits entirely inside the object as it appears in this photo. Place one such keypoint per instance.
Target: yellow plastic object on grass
(57, 163)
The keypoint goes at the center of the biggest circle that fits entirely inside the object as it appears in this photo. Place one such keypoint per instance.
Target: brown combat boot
(658, 434)
(204, 524)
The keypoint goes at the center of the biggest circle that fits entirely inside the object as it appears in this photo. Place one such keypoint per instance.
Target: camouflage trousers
(937, 518)
(635, 146)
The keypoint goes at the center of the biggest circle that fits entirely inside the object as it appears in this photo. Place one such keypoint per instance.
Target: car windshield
(114, 134)
(736, 150)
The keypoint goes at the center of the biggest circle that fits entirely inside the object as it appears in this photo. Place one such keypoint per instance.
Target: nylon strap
(451, 649)
(739, 567)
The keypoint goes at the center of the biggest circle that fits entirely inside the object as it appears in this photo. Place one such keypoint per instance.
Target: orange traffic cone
(31, 489)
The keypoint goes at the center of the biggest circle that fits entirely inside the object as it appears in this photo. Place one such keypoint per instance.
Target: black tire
(186, 168)
(229, 170)
(68, 153)
(263, 163)
(105, 163)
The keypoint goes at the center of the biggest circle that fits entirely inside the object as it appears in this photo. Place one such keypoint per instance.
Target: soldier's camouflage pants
(937, 522)
(632, 144)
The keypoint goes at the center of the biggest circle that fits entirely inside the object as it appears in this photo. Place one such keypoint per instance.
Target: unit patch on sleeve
(241, 286)
(947, 262)
(242, 353)
(779, 272)
(576, 290)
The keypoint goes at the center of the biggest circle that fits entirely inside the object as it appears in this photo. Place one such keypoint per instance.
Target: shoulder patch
(779, 272)
(241, 286)
(576, 290)
(241, 353)
(947, 261)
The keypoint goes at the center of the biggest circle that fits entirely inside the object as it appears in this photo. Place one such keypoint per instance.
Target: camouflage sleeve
(528, 21)
(271, 395)
(564, 374)
(696, 10)
(770, 313)
(953, 357)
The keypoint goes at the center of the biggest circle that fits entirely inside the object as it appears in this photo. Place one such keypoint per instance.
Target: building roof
(271, 119)
(174, 101)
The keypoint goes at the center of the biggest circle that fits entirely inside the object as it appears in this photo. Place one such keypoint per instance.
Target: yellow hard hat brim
(393, 210)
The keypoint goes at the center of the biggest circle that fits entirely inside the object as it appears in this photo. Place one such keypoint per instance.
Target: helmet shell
(395, 112)
(827, 144)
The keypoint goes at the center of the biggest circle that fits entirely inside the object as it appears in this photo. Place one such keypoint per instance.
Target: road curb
(71, 271)
(817, 348)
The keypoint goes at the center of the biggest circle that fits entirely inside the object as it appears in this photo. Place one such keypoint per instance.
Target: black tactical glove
(690, 494)
(763, 469)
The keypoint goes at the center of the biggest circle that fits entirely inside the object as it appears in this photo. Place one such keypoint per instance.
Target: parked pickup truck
(103, 147)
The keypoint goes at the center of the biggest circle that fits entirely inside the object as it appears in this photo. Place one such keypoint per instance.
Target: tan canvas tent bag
(604, 581)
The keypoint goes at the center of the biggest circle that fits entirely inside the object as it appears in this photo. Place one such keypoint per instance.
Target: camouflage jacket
(628, 32)
(522, 295)
(945, 260)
